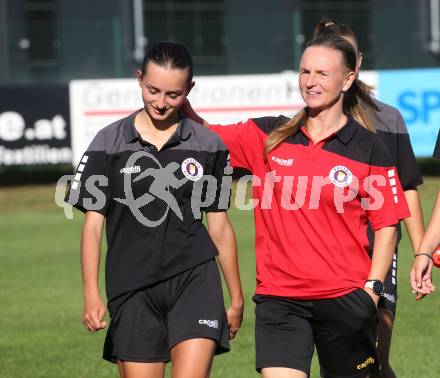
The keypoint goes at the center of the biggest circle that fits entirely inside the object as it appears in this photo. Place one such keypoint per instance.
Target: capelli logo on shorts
(363, 365)
(389, 297)
(209, 323)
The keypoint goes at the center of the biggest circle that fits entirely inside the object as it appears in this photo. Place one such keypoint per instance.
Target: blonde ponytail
(281, 133)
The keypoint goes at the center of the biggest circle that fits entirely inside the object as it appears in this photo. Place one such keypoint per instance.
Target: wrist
(371, 292)
(237, 303)
(427, 255)
(375, 286)
(91, 291)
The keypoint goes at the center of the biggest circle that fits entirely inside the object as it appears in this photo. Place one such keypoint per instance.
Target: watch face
(377, 287)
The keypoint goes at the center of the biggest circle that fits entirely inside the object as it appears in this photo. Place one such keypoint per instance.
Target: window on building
(354, 13)
(40, 37)
(199, 24)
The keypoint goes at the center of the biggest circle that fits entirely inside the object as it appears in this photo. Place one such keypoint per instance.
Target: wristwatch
(375, 285)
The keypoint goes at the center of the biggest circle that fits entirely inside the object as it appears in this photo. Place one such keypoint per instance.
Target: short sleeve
(408, 170)
(219, 191)
(89, 188)
(385, 201)
(244, 140)
(436, 153)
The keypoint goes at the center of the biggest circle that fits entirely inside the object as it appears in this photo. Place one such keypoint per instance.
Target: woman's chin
(315, 108)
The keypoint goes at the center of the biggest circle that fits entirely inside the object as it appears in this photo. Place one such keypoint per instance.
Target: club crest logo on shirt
(192, 169)
(340, 176)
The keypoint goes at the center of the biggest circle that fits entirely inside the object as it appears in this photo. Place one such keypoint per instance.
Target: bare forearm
(431, 239)
(229, 265)
(383, 250)
(414, 224)
(90, 255)
(225, 242)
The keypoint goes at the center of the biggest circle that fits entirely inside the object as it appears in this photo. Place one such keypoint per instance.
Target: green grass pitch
(41, 297)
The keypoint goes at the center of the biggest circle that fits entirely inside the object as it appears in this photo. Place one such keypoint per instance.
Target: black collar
(345, 133)
(183, 131)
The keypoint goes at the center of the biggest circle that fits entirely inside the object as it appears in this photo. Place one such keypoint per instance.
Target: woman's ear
(138, 74)
(190, 86)
(359, 63)
(351, 76)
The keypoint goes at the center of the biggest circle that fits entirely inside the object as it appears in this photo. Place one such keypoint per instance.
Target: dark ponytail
(329, 27)
(357, 100)
(169, 54)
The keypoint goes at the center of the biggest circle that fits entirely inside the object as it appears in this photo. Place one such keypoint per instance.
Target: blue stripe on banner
(416, 93)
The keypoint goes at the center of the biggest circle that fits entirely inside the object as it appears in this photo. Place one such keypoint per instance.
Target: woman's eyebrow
(177, 91)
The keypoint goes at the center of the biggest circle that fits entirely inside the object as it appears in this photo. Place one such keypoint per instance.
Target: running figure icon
(164, 178)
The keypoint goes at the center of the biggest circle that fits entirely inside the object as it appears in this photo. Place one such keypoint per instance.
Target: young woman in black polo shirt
(162, 281)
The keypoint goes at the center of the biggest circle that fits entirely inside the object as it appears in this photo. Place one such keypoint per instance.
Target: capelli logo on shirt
(285, 162)
(130, 170)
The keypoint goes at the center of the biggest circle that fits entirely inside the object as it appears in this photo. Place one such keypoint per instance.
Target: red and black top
(313, 203)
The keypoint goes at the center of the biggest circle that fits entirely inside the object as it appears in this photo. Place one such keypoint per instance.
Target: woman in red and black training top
(319, 178)
(390, 126)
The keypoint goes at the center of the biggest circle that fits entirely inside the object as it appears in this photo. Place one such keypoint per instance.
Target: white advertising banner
(95, 104)
(371, 78)
(230, 99)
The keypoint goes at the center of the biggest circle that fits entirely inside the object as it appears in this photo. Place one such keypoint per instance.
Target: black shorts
(153, 320)
(388, 298)
(343, 330)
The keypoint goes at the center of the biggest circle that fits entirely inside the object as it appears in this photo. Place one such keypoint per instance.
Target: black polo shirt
(152, 201)
(391, 128)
